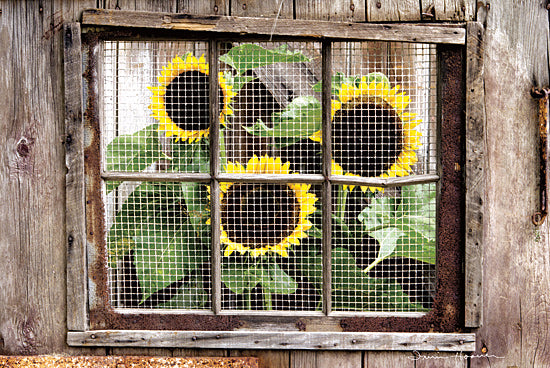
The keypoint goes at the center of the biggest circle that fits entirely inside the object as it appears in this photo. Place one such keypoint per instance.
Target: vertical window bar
(327, 159)
(214, 171)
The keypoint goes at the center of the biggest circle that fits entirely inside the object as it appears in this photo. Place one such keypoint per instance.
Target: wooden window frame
(92, 322)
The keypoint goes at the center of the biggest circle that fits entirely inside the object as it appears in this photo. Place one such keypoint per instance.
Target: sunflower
(373, 133)
(181, 100)
(257, 218)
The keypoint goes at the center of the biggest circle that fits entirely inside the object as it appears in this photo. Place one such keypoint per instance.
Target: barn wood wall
(516, 254)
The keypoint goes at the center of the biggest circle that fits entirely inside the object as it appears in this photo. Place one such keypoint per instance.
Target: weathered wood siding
(515, 254)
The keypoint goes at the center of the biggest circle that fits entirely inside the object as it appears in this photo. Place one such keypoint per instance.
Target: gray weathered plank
(393, 10)
(475, 174)
(75, 190)
(276, 340)
(451, 10)
(32, 178)
(285, 27)
(375, 359)
(262, 8)
(516, 261)
(214, 7)
(326, 359)
(339, 11)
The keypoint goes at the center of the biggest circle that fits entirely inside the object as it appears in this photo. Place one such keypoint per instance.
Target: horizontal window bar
(384, 183)
(156, 176)
(271, 178)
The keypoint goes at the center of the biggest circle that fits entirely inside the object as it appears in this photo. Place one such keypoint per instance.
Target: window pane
(384, 248)
(271, 246)
(158, 244)
(277, 107)
(156, 105)
(384, 109)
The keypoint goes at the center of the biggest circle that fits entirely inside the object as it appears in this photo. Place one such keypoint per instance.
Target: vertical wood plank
(140, 352)
(345, 10)
(214, 7)
(450, 10)
(144, 5)
(475, 174)
(200, 353)
(76, 223)
(393, 10)
(262, 8)
(32, 179)
(516, 283)
(325, 359)
(375, 359)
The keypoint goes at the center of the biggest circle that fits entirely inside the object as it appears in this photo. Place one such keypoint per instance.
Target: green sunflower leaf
(190, 157)
(250, 56)
(300, 119)
(144, 203)
(165, 254)
(238, 277)
(278, 281)
(133, 152)
(387, 237)
(190, 296)
(405, 226)
(196, 202)
(355, 290)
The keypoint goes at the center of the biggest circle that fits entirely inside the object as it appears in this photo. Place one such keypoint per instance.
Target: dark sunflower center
(367, 137)
(259, 214)
(187, 100)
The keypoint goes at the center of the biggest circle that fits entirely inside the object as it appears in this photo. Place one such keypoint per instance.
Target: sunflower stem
(223, 158)
(248, 294)
(268, 304)
(341, 209)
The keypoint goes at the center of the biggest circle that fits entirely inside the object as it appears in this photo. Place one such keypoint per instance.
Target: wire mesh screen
(384, 249)
(159, 245)
(384, 111)
(278, 105)
(269, 262)
(156, 106)
(156, 117)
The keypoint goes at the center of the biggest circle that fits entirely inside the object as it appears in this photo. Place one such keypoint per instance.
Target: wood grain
(475, 174)
(374, 359)
(32, 178)
(516, 284)
(276, 340)
(393, 10)
(284, 27)
(77, 278)
(339, 11)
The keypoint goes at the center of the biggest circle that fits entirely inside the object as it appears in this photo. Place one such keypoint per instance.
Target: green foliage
(340, 78)
(243, 277)
(300, 119)
(404, 227)
(164, 225)
(249, 56)
(133, 152)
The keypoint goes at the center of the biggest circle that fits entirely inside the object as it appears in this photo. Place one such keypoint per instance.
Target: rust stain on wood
(126, 362)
